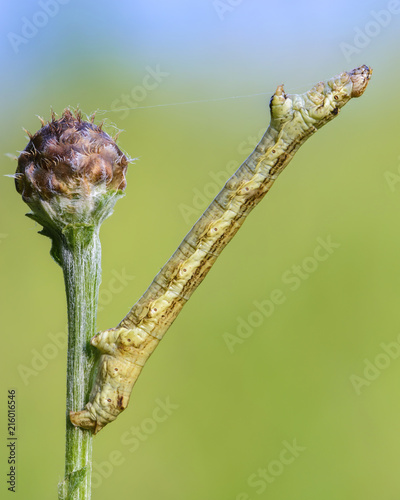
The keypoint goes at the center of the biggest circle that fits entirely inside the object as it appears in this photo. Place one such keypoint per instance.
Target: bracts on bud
(71, 172)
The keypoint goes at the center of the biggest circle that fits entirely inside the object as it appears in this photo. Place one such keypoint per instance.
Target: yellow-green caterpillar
(126, 348)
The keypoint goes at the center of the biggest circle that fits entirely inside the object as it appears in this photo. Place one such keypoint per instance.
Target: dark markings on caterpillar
(126, 348)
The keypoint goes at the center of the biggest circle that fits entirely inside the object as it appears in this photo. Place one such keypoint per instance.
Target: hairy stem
(70, 174)
(80, 256)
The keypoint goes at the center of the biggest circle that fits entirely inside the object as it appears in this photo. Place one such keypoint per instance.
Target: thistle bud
(70, 173)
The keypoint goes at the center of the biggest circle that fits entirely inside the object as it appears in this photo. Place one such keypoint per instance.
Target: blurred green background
(322, 371)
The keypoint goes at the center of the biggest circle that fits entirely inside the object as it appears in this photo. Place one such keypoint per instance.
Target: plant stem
(70, 174)
(80, 256)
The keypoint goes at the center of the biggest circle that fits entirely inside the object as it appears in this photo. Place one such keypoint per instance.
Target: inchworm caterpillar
(126, 348)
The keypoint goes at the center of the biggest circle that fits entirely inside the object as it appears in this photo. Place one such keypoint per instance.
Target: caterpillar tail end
(85, 420)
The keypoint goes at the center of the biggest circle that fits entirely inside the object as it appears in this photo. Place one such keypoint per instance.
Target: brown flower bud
(68, 170)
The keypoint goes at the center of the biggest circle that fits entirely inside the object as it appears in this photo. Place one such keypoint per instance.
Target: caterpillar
(126, 348)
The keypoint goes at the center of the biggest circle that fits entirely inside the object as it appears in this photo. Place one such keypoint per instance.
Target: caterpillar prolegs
(123, 354)
(126, 348)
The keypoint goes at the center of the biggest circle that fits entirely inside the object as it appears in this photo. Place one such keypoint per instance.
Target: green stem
(80, 256)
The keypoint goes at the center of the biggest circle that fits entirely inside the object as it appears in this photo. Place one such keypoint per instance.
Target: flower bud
(71, 172)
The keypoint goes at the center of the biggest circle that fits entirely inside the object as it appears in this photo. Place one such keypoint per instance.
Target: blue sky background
(253, 45)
